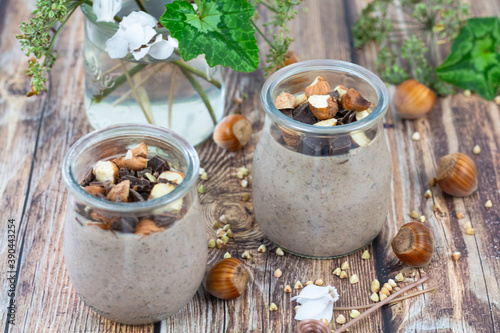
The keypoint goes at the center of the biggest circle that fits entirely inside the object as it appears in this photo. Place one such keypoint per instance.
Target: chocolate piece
(135, 196)
(124, 172)
(166, 219)
(158, 164)
(340, 145)
(142, 173)
(314, 146)
(125, 224)
(335, 94)
(287, 112)
(139, 184)
(89, 177)
(304, 115)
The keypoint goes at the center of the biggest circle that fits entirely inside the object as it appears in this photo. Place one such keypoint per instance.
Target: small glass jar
(127, 277)
(160, 92)
(322, 192)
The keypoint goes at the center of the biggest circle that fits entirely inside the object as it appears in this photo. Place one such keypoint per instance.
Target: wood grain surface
(37, 132)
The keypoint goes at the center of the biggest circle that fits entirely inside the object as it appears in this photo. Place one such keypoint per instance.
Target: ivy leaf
(474, 61)
(222, 31)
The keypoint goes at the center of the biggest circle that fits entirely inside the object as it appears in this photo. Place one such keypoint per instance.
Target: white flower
(106, 9)
(135, 34)
(316, 302)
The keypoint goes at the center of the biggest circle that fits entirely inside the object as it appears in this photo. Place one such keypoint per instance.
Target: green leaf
(222, 31)
(474, 60)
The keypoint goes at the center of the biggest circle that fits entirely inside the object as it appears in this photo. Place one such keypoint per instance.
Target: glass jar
(322, 192)
(127, 277)
(160, 92)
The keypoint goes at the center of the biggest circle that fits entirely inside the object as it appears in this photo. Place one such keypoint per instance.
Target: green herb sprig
(408, 47)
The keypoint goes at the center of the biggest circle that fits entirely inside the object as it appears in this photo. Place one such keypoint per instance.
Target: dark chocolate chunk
(166, 219)
(335, 94)
(340, 145)
(89, 177)
(158, 164)
(287, 112)
(139, 184)
(142, 173)
(125, 224)
(124, 172)
(314, 146)
(135, 196)
(304, 114)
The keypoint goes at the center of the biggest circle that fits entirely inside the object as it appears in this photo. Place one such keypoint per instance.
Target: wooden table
(37, 132)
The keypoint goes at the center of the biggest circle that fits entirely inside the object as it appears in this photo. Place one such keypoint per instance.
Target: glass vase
(187, 97)
(129, 276)
(322, 192)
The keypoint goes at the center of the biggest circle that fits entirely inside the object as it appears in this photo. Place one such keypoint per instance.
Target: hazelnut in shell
(414, 244)
(227, 279)
(233, 132)
(457, 175)
(412, 99)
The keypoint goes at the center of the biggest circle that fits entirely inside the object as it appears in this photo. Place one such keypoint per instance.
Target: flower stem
(197, 72)
(59, 31)
(262, 34)
(171, 97)
(200, 91)
(136, 95)
(118, 82)
(141, 6)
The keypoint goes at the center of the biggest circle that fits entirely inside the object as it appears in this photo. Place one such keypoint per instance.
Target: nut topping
(318, 87)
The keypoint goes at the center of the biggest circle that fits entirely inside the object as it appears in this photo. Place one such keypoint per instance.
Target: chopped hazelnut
(365, 255)
(354, 313)
(340, 319)
(284, 101)
(375, 287)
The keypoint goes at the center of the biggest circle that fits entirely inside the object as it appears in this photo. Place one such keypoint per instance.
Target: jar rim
(325, 65)
(134, 131)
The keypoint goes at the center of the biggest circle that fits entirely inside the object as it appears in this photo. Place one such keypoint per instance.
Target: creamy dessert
(137, 266)
(321, 206)
(321, 193)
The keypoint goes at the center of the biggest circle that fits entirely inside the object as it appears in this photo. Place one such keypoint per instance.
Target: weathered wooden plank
(19, 125)
(461, 303)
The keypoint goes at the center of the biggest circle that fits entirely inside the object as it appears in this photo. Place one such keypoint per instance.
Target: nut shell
(413, 100)
(233, 132)
(353, 101)
(318, 87)
(323, 106)
(227, 279)
(414, 244)
(457, 174)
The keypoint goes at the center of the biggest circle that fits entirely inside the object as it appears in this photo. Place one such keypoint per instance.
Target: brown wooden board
(38, 131)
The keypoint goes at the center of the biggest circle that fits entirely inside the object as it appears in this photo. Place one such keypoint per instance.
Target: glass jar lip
(134, 131)
(325, 65)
